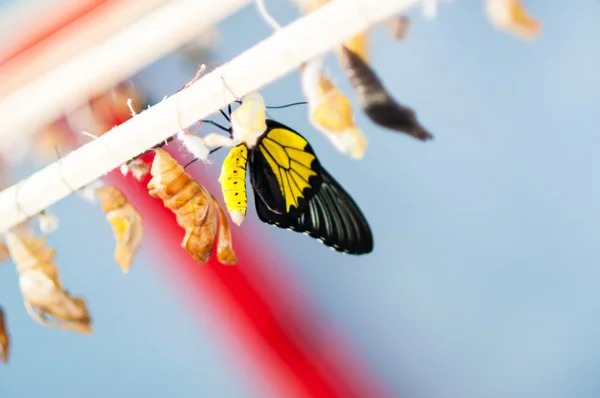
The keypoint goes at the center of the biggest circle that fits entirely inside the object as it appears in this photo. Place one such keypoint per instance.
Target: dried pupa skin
(4, 338)
(225, 253)
(42, 291)
(510, 16)
(48, 222)
(398, 26)
(233, 183)
(137, 168)
(3, 252)
(330, 111)
(190, 201)
(359, 43)
(375, 101)
(126, 222)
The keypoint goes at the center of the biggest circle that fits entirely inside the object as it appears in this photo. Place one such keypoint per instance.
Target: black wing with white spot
(331, 216)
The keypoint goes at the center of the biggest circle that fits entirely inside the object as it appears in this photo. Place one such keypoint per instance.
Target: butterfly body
(291, 188)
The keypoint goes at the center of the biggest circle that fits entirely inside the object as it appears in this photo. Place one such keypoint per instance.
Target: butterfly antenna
(215, 150)
(288, 105)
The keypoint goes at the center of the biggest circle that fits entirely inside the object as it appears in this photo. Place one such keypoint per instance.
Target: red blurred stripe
(282, 342)
(48, 24)
(263, 319)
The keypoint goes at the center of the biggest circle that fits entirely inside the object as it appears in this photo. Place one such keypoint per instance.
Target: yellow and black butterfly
(292, 190)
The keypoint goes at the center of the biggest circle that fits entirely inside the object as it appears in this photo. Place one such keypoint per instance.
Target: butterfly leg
(215, 140)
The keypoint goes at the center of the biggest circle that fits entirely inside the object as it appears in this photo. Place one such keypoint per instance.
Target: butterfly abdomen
(233, 183)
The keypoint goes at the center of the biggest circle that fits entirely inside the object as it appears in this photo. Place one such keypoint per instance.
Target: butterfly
(292, 190)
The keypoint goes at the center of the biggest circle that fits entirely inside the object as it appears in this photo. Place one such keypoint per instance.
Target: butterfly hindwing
(331, 216)
(284, 170)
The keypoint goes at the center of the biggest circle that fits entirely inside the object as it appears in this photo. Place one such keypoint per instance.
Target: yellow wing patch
(287, 138)
(285, 152)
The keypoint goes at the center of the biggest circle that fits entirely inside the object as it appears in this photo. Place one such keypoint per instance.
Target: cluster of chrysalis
(291, 187)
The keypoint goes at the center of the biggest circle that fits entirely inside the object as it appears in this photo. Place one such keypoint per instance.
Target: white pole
(99, 68)
(309, 36)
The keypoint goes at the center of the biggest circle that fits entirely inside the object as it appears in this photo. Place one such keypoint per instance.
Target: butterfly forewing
(285, 171)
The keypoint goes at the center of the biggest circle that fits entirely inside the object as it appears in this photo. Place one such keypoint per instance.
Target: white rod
(79, 35)
(308, 37)
(101, 67)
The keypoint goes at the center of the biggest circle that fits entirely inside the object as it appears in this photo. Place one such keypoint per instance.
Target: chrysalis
(225, 253)
(42, 291)
(359, 43)
(375, 101)
(3, 252)
(88, 192)
(511, 16)
(126, 223)
(192, 204)
(4, 338)
(397, 26)
(137, 168)
(330, 110)
(48, 222)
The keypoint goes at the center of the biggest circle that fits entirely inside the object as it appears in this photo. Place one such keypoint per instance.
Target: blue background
(484, 279)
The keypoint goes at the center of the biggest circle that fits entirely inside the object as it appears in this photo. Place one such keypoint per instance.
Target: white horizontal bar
(310, 36)
(101, 67)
